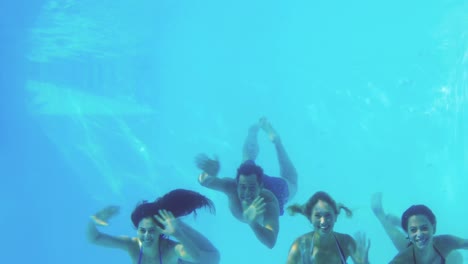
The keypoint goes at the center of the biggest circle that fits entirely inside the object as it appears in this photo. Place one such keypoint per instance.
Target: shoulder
(170, 248)
(345, 239)
(446, 243)
(268, 196)
(346, 242)
(168, 244)
(405, 256)
(272, 210)
(299, 246)
(133, 246)
(301, 242)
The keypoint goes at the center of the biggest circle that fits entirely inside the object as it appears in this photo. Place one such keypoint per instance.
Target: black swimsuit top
(438, 252)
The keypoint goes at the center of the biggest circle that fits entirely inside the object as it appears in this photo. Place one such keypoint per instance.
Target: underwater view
(234, 131)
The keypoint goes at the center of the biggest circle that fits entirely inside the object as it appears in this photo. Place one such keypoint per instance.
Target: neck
(152, 250)
(323, 238)
(426, 255)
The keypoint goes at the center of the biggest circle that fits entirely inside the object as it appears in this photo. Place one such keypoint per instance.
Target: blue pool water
(107, 102)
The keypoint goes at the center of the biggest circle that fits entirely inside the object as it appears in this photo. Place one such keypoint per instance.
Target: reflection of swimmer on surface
(155, 222)
(323, 245)
(418, 245)
(254, 198)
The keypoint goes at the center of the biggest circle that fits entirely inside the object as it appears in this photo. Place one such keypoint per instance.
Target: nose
(322, 220)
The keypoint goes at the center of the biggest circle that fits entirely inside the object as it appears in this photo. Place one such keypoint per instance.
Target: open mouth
(147, 241)
(248, 199)
(421, 242)
(325, 228)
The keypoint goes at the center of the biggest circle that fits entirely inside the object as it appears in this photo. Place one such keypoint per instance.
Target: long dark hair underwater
(179, 202)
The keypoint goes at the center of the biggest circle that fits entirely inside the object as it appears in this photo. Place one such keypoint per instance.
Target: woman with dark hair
(419, 222)
(393, 228)
(155, 222)
(323, 245)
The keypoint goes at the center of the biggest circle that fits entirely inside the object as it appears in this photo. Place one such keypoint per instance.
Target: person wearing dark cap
(155, 223)
(420, 223)
(254, 197)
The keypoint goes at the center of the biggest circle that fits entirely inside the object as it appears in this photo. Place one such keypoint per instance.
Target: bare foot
(266, 126)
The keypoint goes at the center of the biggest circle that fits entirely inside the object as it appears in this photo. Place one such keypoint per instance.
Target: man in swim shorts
(254, 197)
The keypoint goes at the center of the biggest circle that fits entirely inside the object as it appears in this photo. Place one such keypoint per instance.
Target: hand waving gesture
(254, 210)
(362, 247)
(210, 168)
(168, 221)
(102, 217)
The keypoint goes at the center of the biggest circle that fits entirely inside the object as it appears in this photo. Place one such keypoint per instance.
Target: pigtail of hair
(296, 209)
(182, 202)
(348, 211)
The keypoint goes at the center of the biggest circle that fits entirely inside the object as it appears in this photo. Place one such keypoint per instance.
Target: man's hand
(207, 165)
(254, 210)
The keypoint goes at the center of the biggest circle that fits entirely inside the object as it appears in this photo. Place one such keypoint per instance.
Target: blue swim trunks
(279, 187)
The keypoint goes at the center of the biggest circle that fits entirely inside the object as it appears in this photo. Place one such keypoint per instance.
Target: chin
(247, 201)
(147, 243)
(324, 232)
(422, 245)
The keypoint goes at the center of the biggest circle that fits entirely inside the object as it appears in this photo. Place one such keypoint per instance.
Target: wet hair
(306, 209)
(248, 168)
(179, 202)
(417, 210)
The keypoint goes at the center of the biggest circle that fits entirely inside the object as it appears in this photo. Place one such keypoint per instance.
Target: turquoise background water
(107, 102)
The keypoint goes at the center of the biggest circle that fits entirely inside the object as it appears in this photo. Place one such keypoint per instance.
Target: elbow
(270, 243)
(212, 257)
(92, 238)
(215, 258)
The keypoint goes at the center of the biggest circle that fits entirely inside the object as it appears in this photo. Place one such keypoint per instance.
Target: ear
(434, 228)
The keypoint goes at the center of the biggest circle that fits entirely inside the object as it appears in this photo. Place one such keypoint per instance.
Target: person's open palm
(168, 221)
(362, 247)
(102, 217)
(254, 210)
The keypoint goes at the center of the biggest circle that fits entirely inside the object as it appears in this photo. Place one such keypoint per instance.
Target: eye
(413, 230)
(425, 228)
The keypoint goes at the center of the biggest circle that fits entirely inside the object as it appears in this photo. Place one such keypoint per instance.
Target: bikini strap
(140, 257)
(438, 252)
(342, 256)
(159, 249)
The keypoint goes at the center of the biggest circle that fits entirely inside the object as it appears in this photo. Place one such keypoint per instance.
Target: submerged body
(154, 225)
